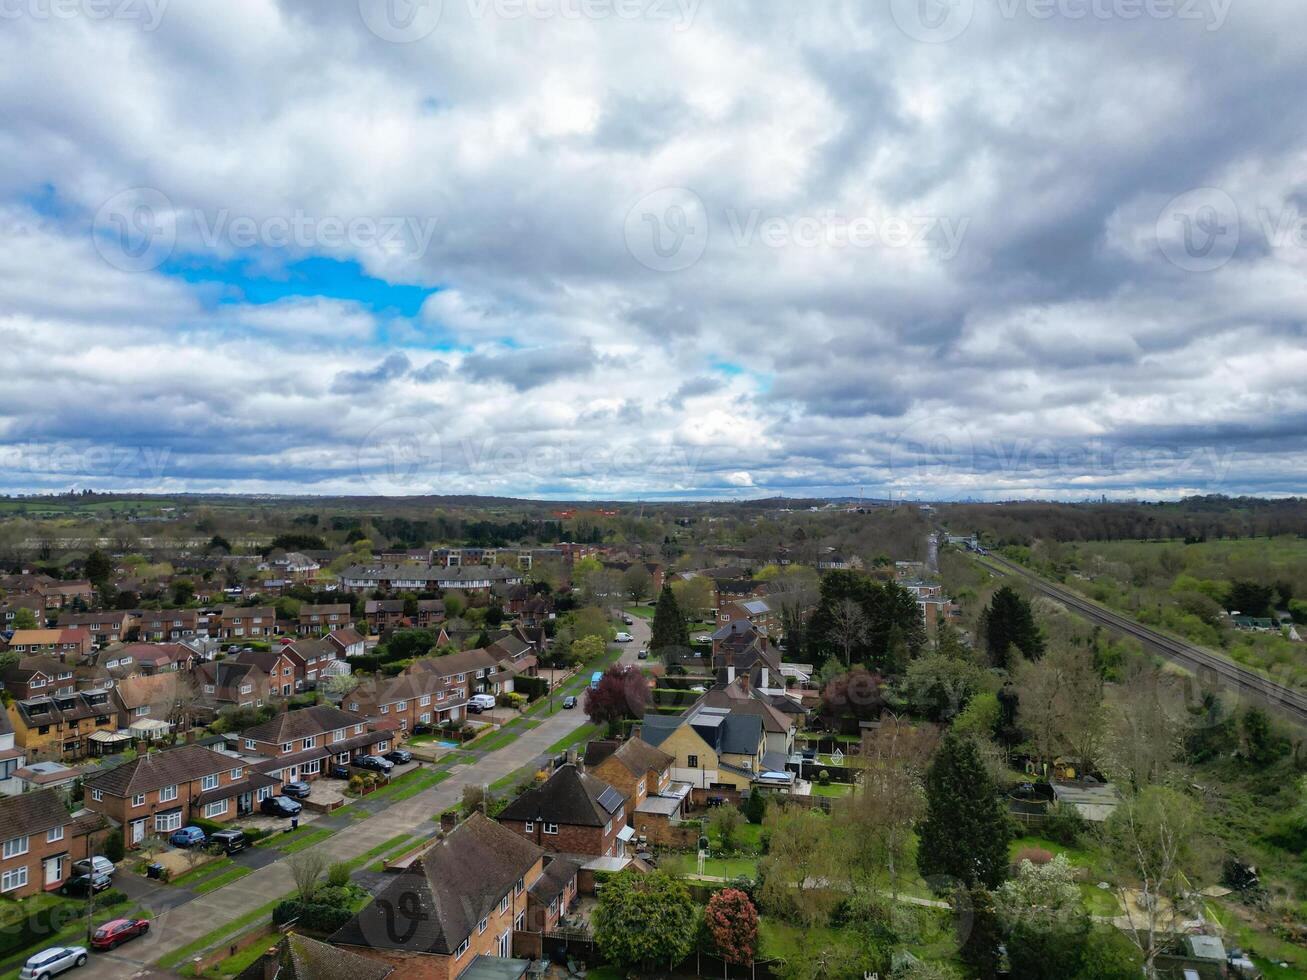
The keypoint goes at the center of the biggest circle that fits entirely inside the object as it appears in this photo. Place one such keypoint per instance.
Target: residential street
(174, 928)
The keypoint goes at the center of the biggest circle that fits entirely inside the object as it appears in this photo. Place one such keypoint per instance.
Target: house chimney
(744, 681)
(730, 673)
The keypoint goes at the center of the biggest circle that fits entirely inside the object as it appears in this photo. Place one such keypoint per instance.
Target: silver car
(101, 864)
(50, 962)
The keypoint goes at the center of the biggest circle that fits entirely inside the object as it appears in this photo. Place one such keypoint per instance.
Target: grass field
(582, 734)
(226, 878)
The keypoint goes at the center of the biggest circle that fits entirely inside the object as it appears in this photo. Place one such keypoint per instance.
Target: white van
(483, 701)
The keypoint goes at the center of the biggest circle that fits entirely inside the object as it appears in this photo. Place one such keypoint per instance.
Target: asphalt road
(179, 918)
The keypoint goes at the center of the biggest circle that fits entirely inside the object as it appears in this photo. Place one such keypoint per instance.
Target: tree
(1109, 956)
(849, 627)
(1045, 920)
(1145, 724)
(940, 687)
(800, 863)
(621, 694)
(24, 619)
(645, 922)
(1008, 622)
(1061, 706)
(218, 543)
(1250, 599)
(1262, 745)
(183, 591)
(890, 799)
(694, 596)
(979, 933)
(725, 823)
(98, 568)
(113, 846)
(732, 923)
(1150, 838)
(755, 806)
(965, 834)
(307, 867)
(895, 631)
(669, 629)
(980, 718)
(637, 583)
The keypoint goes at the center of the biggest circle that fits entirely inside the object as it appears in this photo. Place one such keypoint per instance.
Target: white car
(483, 701)
(101, 865)
(53, 961)
(703, 638)
(624, 637)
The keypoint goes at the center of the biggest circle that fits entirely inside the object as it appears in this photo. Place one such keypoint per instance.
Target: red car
(118, 931)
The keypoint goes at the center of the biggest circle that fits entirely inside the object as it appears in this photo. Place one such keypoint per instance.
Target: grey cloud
(527, 369)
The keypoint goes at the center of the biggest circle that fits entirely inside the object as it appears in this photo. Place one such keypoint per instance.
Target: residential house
(713, 748)
(460, 899)
(297, 957)
(316, 620)
(66, 644)
(551, 897)
(655, 806)
(572, 812)
(35, 836)
(757, 612)
(410, 700)
(104, 627)
(12, 756)
(224, 684)
(285, 672)
(62, 726)
(348, 642)
(469, 669)
(62, 595)
(427, 578)
(39, 676)
(10, 607)
(164, 699)
(247, 622)
(383, 615)
(170, 624)
(297, 744)
(159, 792)
(313, 659)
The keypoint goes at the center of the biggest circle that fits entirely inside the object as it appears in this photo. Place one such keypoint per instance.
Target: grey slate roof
(32, 813)
(568, 797)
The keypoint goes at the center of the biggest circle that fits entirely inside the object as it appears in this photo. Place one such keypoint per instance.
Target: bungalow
(461, 899)
(160, 792)
(572, 812)
(35, 829)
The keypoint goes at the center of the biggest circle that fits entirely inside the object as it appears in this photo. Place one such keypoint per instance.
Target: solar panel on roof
(610, 799)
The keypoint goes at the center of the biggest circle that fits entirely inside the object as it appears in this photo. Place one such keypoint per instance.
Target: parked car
(484, 701)
(115, 933)
(187, 837)
(373, 763)
(399, 757)
(628, 620)
(297, 790)
(52, 961)
(228, 841)
(703, 638)
(643, 654)
(99, 864)
(340, 772)
(624, 637)
(280, 806)
(81, 884)
(569, 702)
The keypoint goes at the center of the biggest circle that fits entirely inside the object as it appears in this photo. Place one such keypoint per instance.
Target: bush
(511, 700)
(1064, 824)
(311, 915)
(1035, 855)
(823, 778)
(338, 875)
(532, 687)
(113, 846)
(110, 898)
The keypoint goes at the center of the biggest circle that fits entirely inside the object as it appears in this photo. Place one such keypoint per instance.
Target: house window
(521, 886)
(530, 827)
(247, 688)
(209, 782)
(265, 792)
(287, 746)
(308, 743)
(237, 773)
(503, 904)
(358, 729)
(551, 828)
(15, 847)
(167, 822)
(249, 743)
(16, 879)
(138, 799)
(426, 700)
(692, 761)
(216, 809)
(97, 795)
(402, 706)
(354, 706)
(312, 768)
(458, 953)
(142, 712)
(338, 734)
(385, 709)
(168, 793)
(481, 926)
(54, 834)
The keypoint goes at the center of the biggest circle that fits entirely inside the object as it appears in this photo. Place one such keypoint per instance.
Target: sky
(619, 249)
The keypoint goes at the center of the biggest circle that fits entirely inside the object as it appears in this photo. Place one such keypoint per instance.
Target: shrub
(311, 915)
(1064, 824)
(823, 777)
(338, 875)
(1035, 855)
(113, 846)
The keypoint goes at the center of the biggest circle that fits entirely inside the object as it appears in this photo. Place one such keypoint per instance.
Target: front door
(244, 804)
(54, 871)
(505, 944)
(138, 831)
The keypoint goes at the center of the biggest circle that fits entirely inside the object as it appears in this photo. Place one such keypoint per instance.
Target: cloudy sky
(639, 248)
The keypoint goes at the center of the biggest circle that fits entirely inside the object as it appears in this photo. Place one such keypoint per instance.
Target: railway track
(1212, 670)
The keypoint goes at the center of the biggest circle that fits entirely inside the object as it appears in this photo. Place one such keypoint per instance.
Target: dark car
(474, 709)
(281, 806)
(569, 701)
(340, 772)
(80, 884)
(374, 763)
(115, 933)
(227, 841)
(399, 757)
(297, 790)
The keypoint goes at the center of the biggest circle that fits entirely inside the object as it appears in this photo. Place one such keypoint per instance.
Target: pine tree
(669, 629)
(965, 835)
(1008, 622)
(979, 932)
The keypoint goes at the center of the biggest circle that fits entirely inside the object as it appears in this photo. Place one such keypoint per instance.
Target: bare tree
(1061, 706)
(849, 627)
(1145, 724)
(307, 867)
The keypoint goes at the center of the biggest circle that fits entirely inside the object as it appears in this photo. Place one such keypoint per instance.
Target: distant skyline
(655, 249)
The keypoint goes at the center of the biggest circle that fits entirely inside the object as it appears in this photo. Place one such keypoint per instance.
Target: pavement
(181, 918)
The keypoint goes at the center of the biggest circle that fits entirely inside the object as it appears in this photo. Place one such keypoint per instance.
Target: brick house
(160, 792)
(59, 595)
(66, 644)
(551, 897)
(247, 622)
(12, 604)
(314, 620)
(409, 700)
(634, 768)
(468, 669)
(61, 727)
(39, 676)
(383, 614)
(297, 744)
(36, 833)
(312, 658)
(170, 624)
(756, 612)
(285, 672)
(572, 812)
(164, 698)
(104, 627)
(223, 684)
(348, 642)
(461, 898)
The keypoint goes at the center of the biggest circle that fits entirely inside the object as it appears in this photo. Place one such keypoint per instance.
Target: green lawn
(644, 612)
(1098, 901)
(410, 784)
(748, 837)
(190, 877)
(582, 734)
(234, 965)
(713, 867)
(834, 789)
(226, 878)
(212, 938)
